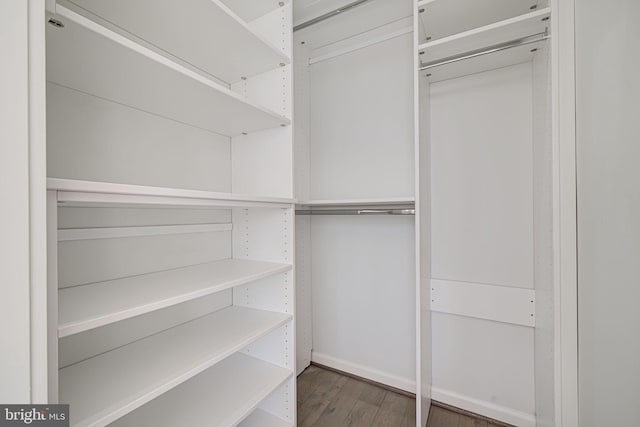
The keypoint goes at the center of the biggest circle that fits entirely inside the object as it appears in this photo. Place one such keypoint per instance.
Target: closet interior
(203, 251)
(423, 174)
(170, 208)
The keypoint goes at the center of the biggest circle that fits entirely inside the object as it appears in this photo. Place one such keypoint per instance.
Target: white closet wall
(355, 148)
(608, 206)
(482, 233)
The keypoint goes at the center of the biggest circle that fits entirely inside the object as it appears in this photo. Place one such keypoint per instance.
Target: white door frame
(565, 213)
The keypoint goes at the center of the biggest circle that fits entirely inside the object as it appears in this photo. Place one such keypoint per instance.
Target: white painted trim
(52, 296)
(40, 345)
(565, 213)
(119, 232)
(497, 303)
(362, 45)
(364, 372)
(423, 391)
(487, 409)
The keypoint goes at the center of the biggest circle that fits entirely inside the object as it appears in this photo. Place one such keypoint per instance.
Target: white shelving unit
(106, 387)
(488, 35)
(91, 306)
(484, 81)
(221, 396)
(443, 18)
(485, 48)
(170, 278)
(192, 22)
(93, 59)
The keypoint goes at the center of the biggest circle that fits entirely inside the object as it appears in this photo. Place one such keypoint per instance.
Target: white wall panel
(89, 217)
(304, 302)
(499, 303)
(485, 361)
(608, 152)
(97, 140)
(14, 216)
(482, 178)
(261, 163)
(483, 252)
(545, 333)
(362, 123)
(88, 261)
(364, 295)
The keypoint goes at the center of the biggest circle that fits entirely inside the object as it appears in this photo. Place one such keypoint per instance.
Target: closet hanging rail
(356, 212)
(328, 15)
(535, 38)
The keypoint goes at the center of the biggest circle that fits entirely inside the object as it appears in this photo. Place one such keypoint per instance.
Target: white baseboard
(364, 372)
(488, 409)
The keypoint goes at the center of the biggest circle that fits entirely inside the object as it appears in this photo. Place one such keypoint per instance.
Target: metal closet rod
(491, 49)
(329, 15)
(356, 212)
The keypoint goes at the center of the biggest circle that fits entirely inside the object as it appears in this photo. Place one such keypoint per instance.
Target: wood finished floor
(328, 399)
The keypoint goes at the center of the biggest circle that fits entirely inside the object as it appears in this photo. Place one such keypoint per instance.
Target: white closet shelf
(93, 59)
(443, 18)
(204, 33)
(489, 35)
(106, 387)
(82, 308)
(500, 59)
(222, 396)
(386, 201)
(260, 418)
(79, 192)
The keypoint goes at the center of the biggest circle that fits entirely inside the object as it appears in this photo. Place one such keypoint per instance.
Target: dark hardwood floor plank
(362, 414)
(440, 417)
(466, 421)
(392, 411)
(329, 385)
(307, 382)
(410, 415)
(339, 408)
(372, 394)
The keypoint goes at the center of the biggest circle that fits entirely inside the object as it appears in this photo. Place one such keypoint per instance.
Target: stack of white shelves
(445, 34)
(151, 56)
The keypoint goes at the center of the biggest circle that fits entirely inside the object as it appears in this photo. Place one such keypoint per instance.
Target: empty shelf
(90, 306)
(443, 18)
(106, 387)
(222, 396)
(72, 191)
(90, 58)
(204, 33)
(260, 418)
(489, 35)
